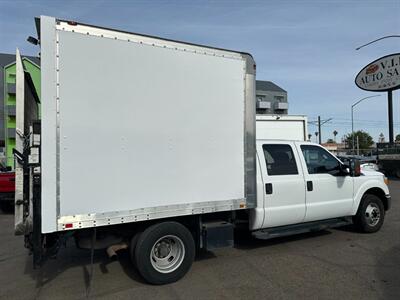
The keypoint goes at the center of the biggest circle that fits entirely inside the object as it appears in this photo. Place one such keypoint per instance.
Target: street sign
(382, 74)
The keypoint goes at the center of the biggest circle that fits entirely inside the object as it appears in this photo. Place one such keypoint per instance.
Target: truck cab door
(329, 188)
(283, 183)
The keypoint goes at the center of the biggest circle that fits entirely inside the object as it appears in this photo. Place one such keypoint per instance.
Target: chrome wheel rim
(167, 254)
(372, 214)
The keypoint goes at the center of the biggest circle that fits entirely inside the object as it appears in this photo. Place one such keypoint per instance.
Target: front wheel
(164, 252)
(370, 214)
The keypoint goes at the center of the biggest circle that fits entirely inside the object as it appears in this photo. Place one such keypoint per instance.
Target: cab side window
(319, 160)
(280, 159)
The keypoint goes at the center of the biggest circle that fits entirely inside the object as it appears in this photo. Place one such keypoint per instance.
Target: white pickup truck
(154, 145)
(301, 182)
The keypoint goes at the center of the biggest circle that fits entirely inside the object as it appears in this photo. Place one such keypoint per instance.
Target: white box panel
(281, 127)
(141, 126)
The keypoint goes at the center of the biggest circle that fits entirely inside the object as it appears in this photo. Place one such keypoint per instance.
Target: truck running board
(269, 233)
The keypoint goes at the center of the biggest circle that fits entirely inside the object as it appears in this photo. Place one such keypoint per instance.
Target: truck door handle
(268, 188)
(309, 186)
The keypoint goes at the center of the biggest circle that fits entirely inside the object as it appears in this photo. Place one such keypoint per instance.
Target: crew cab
(301, 182)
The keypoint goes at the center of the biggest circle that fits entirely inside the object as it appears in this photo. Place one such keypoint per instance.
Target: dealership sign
(382, 74)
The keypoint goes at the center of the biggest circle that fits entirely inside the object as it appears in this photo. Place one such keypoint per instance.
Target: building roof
(268, 86)
(6, 59)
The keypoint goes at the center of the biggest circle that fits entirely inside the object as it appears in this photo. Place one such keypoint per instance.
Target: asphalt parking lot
(334, 264)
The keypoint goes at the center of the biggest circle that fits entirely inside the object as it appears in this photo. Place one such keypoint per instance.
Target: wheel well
(380, 194)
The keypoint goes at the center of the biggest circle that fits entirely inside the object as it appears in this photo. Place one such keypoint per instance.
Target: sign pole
(390, 115)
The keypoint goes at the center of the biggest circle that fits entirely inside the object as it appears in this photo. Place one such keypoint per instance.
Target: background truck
(274, 127)
(176, 124)
(388, 158)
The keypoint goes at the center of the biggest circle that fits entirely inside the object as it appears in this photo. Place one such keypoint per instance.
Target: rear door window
(280, 159)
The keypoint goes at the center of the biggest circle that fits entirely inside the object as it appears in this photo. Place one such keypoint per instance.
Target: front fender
(362, 185)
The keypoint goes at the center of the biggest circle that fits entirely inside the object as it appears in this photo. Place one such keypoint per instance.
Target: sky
(306, 47)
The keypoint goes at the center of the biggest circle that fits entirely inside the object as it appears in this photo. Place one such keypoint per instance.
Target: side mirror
(355, 167)
(344, 169)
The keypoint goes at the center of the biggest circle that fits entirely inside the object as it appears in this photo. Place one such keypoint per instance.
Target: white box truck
(150, 144)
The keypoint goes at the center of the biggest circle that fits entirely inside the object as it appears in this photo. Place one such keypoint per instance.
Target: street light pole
(384, 37)
(352, 118)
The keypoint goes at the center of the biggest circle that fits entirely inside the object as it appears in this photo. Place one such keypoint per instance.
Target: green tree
(398, 138)
(335, 133)
(365, 141)
(330, 141)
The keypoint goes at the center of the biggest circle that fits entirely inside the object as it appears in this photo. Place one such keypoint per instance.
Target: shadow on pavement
(71, 257)
(246, 241)
(68, 258)
(348, 228)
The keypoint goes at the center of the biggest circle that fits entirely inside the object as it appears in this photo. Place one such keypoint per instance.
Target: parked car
(7, 188)
(366, 163)
(389, 158)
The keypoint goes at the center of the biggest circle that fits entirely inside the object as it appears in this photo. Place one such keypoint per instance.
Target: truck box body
(281, 127)
(132, 129)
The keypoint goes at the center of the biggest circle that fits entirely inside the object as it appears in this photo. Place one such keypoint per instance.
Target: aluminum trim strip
(57, 123)
(150, 213)
(151, 41)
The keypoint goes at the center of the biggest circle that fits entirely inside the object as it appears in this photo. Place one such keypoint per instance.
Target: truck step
(269, 233)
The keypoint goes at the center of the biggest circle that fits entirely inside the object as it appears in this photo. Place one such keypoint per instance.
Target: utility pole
(319, 129)
(358, 146)
(319, 123)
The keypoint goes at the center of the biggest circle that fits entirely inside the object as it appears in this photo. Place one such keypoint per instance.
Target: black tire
(363, 219)
(132, 247)
(168, 236)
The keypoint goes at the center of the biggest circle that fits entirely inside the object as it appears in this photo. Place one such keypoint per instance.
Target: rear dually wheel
(164, 252)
